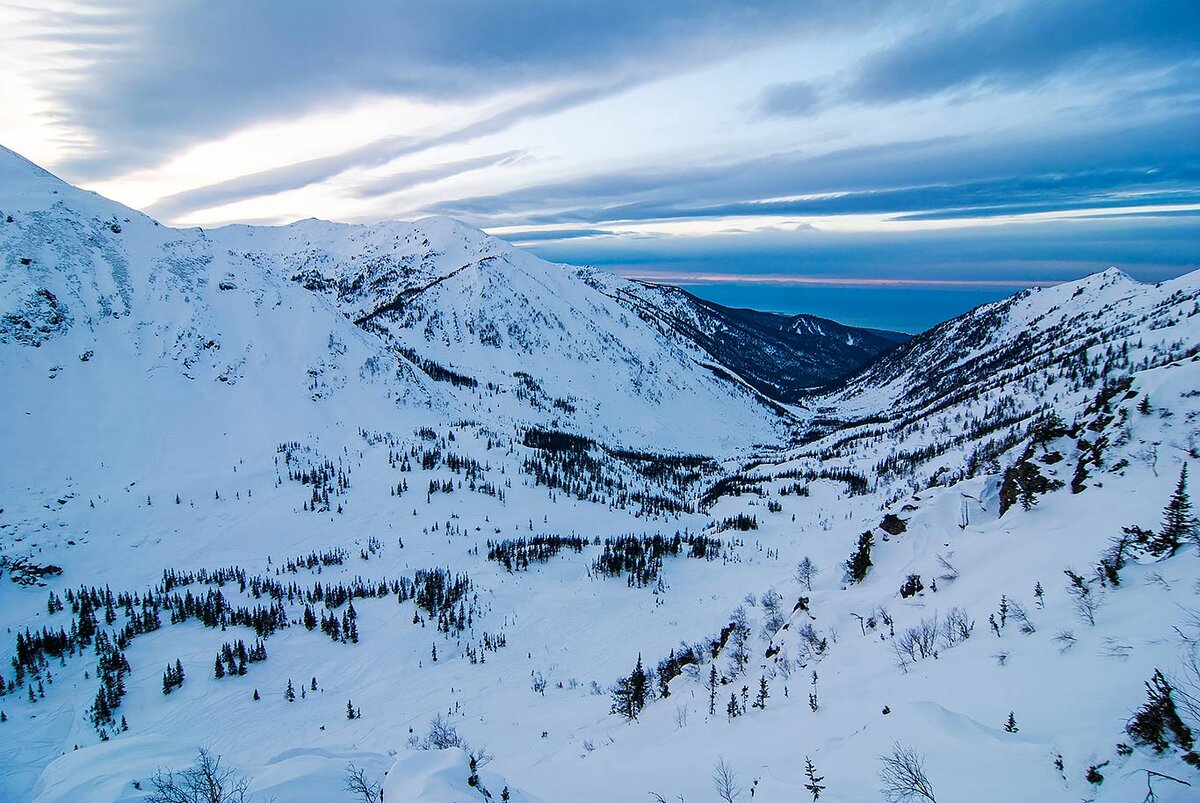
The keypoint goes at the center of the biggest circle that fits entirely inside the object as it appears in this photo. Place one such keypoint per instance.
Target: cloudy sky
(755, 150)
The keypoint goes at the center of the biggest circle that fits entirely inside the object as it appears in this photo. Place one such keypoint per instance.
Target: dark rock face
(41, 317)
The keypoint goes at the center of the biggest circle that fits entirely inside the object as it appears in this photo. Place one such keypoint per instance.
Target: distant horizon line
(824, 281)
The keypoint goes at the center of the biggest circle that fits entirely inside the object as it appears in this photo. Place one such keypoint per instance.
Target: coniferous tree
(761, 700)
(1011, 724)
(1178, 523)
(349, 709)
(732, 709)
(860, 561)
(1157, 724)
(631, 693)
(256, 696)
(290, 693)
(712, 690)
(814, 785)
(219, 668)
(172, 678)
(639, 684)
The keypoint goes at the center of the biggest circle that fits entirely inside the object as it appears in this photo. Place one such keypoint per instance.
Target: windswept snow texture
(448, 494)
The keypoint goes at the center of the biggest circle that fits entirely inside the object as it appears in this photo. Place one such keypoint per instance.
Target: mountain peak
(21, 180)
(1115, 274)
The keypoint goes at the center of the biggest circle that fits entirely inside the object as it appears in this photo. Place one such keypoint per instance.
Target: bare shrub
(956, 627)
(364, 789)
(1018, 614)
(203, 782)
(1083, 598)
(725, 782)
(902, 777)
(442, 734)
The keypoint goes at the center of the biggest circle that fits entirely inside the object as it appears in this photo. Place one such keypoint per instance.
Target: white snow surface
(188, 391)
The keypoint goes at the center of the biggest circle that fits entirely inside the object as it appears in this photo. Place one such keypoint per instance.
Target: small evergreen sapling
(712, 690)
(813, 781)
(760, 701)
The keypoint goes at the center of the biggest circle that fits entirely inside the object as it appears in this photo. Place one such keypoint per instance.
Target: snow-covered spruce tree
(1157, 724)
(860, 560)
(1179, 525)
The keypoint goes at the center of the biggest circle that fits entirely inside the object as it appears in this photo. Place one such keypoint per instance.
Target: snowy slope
(543, 345)
(302, 453)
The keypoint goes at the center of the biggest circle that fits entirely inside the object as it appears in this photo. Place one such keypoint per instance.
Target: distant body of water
(903, 309)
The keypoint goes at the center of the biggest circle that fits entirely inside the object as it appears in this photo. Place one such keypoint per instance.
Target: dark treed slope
(782, 356)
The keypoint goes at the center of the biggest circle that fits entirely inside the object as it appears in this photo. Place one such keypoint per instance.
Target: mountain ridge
(522, 485)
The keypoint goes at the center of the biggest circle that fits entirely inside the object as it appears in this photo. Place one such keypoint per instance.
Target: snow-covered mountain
(785, 356)
(510, 335)
(508, 338)
(446, 495)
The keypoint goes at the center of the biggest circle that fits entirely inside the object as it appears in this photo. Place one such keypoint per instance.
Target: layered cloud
(761, 131)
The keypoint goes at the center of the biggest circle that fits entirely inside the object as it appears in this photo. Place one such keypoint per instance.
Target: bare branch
(903, 777)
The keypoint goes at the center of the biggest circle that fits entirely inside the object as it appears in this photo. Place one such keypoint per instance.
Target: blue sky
(753, 151)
